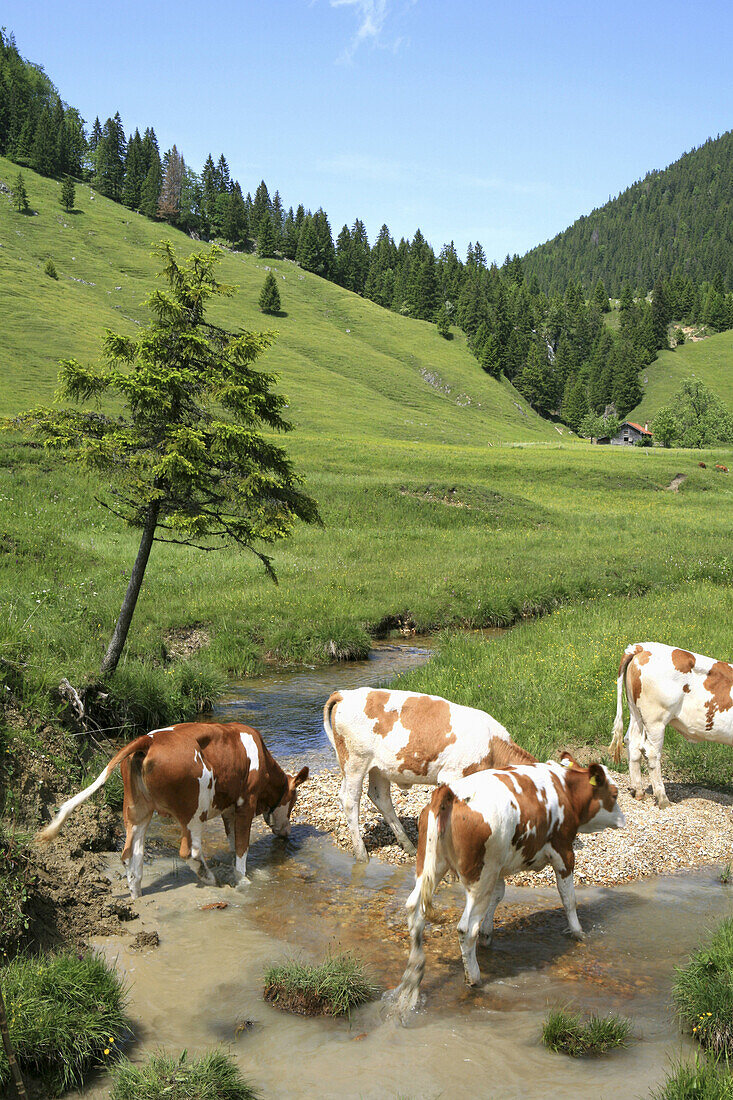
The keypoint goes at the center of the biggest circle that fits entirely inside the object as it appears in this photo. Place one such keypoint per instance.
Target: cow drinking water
(496, 823)
(405, 738)
(669, 687)
(192, 772)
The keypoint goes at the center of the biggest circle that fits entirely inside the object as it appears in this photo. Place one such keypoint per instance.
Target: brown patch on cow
(531, 833)
(428, 723)
(686, 689)
(633, 675)
(719, 682)
(500, 755)
(375, 708)
(470, 833)
(682, 660)
(342, 749)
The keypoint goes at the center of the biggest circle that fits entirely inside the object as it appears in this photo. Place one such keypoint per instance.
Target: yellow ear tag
(593, 781)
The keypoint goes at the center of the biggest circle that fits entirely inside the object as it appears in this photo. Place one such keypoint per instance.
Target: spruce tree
(442, 322)
(266, 237)
(20, 195)
(68, 194)
(660, 315)
(490, 358)
(270, 295)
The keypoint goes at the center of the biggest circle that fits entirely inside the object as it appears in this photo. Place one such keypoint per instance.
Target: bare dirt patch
(695, 831)
(676, 481)
(183, 642)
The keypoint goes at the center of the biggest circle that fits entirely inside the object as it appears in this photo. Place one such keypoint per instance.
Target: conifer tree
(442, 322)
(270, 295)
(600, 297)
(660, 315)
(169, 202)
(490, 358)
(68, 194)
(20, 195)
(236, 228)
(184, 459)
(266, 236)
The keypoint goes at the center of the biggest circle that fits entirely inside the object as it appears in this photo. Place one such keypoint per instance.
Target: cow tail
(438, 820)
(333, 700)
(618, 726)
(139, 745)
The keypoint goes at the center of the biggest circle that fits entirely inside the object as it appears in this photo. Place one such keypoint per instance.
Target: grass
(66, 1015)
(703, 993)
(710, 360)
(331, 988)
(725, 873)
(702, 1079)
(214, 1076)
(565, 1032)
(14, 883)
(552, 682)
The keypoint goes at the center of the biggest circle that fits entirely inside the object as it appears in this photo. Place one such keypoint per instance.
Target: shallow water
(204, 981)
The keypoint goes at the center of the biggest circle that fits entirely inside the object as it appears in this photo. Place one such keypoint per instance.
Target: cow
(669, 687)
(194, 771)
(721, 469)
(495, 823)
(406, 738)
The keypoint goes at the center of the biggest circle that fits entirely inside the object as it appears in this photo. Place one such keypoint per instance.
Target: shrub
(215, 1076)
(50, 269)
(332, 988)
(14, 881)
(65, 1015)
(564, 1032)
(703, 992)
(698, 1080)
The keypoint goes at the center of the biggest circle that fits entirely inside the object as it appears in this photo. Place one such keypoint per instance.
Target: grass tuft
(725, 873)
(702, 1079)
(703, 993)
(65, 1016)
(214, 1076)
(565, 1033)
(331, 988)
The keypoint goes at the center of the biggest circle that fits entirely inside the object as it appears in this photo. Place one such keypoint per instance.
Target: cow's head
(599, 807)
(278, 818)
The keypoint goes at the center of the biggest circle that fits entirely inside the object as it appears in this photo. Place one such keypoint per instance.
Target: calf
(496, 823)
(669, 687)
(405, 738)
(192, 772)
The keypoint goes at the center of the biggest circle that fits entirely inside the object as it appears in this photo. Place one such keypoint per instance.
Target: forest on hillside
(552, 342)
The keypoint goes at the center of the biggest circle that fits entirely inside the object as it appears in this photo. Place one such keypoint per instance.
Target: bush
(14, 881)
(333, 988)
(65, 1015)
(50, 269)
(703, 992)
(698, 1080)
(564, 1032)
(215, 1076)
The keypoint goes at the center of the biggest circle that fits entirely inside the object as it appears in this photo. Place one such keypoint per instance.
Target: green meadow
(446, 501)
(709, 360)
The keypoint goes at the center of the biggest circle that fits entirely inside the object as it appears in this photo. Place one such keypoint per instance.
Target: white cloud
(371, 18)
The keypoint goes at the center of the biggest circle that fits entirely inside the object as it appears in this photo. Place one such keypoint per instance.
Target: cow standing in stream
(192, 772)
(496, 823)
(669, 687)
(405, 738)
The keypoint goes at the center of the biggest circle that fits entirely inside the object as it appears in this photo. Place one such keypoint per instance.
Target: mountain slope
(347, 365)
(681, 216)
(710, 360)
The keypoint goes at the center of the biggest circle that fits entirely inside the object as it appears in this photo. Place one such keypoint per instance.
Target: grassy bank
(553, 682)
(710, 360)
(703, 993)
(214, 1076)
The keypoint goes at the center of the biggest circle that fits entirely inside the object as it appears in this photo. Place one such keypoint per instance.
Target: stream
(203, 984)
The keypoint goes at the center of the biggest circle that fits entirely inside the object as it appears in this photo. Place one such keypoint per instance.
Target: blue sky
(497, 121)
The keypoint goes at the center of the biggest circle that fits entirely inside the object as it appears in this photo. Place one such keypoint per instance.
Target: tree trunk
(14, 1067)
(119, 637)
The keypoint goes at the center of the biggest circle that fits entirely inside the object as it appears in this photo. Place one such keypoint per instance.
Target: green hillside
(710, 360)
(679, 218)
(347, 365)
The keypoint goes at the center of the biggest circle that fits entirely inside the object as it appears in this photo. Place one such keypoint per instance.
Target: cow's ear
(597, 776)
(568, 760)
(301, 777)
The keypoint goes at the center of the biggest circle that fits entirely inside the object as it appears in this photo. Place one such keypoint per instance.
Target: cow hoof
(135, 892)
(410, 849)
(361, 855)
(663, 802)
(242, 884)
(579, 936)
(474, 983)
(638, 795)
(485, 938)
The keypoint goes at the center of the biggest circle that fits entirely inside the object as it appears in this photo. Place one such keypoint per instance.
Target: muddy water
(203, 984)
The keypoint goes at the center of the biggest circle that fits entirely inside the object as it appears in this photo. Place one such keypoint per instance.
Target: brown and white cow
(405, 738)
(669, 687)
(496, 823)
(192, 772)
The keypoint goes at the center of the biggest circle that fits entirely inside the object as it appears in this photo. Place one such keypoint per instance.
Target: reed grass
(703, 993)
(703, 1079)
(214, 1076)
(66, 1015)
(566, 1032)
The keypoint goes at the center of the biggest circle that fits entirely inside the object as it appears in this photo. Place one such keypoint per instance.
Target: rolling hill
(710, 360)
(348, 366)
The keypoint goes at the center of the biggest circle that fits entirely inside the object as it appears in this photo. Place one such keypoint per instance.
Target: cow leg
(634, 737)
(487, 924)
(191, 840)
(380, 795)
(566, 889)
(408, 990)
(478, 899)
(227, 817)
(242, 826)
(133, 852)
(351, 789)
(653, 748)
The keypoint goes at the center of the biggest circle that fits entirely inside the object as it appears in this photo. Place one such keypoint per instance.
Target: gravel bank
(696, 830)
